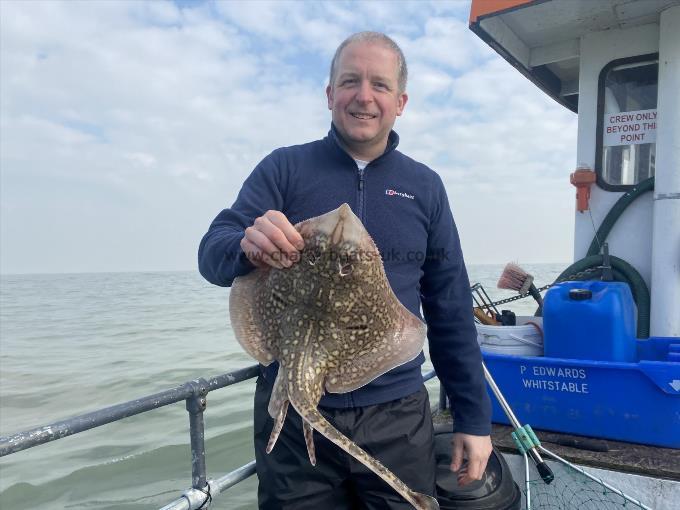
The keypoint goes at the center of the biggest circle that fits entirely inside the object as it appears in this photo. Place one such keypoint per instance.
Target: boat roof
(541, 38)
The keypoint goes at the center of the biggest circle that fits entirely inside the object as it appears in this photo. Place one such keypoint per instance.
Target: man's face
(364, 97)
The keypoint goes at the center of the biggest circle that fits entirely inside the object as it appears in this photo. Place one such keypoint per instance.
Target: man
(404, 207)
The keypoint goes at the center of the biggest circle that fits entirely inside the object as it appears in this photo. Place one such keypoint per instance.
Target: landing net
(572, 488)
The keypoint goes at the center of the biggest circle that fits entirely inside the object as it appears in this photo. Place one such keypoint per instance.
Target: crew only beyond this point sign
(630, 128)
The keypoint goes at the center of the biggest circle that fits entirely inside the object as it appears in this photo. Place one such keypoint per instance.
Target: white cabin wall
(631, 237)
(665, 313)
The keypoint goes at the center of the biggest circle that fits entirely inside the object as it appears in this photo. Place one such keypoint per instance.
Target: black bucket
(495, 491)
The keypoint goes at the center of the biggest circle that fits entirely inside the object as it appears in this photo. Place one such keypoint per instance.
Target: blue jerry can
(590, 320)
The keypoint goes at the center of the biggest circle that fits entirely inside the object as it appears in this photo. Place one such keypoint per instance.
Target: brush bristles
(513, 277)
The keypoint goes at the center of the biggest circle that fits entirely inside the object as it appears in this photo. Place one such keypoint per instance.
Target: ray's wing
(379, 352)
(249, 328)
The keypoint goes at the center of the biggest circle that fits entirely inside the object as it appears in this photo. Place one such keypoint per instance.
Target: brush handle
(537, 296)
(484, 318)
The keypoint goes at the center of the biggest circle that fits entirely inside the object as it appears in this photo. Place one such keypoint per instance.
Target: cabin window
(626, 130)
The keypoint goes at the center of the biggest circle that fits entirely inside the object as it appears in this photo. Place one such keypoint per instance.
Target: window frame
(599, 136)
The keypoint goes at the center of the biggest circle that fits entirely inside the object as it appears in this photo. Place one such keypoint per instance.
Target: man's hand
(272, 241)
(476, 449)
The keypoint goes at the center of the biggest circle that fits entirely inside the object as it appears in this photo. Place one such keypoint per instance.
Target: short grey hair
(374, 37)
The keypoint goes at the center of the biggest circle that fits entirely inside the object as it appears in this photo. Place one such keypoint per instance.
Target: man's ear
(329, 95)
(401, 102)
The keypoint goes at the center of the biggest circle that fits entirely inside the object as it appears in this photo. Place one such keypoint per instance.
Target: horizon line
(127, 271)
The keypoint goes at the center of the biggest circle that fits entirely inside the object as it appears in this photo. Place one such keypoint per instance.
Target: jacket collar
(334, 139)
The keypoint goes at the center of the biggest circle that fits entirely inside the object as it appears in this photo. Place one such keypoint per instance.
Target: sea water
(73, 343)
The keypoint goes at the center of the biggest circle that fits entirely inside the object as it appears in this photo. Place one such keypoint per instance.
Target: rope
(208, 497)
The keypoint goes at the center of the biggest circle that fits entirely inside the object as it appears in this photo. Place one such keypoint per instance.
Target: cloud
(126, 126)
(447, 43)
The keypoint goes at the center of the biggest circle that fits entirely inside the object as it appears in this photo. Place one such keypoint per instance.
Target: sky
(125, 127)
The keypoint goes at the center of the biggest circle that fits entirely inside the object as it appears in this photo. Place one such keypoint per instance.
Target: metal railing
(194, 394)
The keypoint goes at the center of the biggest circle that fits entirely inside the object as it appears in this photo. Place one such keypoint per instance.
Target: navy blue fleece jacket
(403, 205)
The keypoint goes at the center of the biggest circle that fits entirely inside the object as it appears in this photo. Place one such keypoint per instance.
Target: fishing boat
(603, 387)
(608, 369)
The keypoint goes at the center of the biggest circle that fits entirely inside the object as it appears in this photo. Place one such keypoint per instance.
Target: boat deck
(651, 461)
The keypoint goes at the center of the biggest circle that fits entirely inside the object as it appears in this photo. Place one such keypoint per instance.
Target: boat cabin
(617, 64)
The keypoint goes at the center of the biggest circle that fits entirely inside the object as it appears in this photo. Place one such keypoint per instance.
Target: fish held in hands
(333, 323)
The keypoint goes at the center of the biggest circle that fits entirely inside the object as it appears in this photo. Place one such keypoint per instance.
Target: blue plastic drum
(590, 320)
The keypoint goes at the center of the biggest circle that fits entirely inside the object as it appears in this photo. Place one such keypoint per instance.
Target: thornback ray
(333, 323)
(247, 328)
(278, 407)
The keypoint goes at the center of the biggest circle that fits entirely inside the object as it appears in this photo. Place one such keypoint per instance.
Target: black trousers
(398, 433)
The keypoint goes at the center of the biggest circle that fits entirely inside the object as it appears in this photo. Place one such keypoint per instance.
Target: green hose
(622, 270)
(616, 211)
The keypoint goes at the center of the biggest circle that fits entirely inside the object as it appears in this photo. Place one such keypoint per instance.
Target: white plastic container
(525, 339)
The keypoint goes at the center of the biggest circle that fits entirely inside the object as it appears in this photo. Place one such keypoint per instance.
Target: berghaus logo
(393, 193)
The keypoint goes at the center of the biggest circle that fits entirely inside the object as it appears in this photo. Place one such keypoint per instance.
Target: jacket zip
(360, 213)
(360, 201)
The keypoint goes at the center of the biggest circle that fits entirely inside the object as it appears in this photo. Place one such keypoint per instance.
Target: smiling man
(403, 205)
(366, 96)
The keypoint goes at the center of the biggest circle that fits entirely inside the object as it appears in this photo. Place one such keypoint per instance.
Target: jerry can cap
(580, 294)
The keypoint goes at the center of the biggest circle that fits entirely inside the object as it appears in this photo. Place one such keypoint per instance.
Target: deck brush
(517, 279)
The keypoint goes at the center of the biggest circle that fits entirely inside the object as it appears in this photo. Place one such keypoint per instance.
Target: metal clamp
(525, 439)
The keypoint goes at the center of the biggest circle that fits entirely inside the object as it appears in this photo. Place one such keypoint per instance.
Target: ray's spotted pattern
(333, 323)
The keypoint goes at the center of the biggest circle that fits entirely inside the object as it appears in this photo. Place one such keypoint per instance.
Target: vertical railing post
(442, 398)
(196, 404)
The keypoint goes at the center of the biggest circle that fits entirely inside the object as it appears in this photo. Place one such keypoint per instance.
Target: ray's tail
(319, 423)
